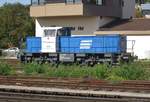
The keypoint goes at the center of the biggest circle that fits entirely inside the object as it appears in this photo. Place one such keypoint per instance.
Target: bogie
(86, 59)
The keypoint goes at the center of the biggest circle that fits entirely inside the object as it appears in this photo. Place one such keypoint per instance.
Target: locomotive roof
(51, 27)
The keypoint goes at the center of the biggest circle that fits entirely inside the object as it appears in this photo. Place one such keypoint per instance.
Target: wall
(128, 9)
(38, 29)
(110, 8)
(141, 47)
(89, 24)
(58, 9)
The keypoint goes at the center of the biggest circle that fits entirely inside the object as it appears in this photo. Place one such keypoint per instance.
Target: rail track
(15, 63)
(28, 97)
(22, 95)
(75, 83)
(11, 95)
(10, 61)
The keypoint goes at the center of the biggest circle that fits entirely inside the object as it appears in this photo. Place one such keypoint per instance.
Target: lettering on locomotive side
(48, 44)
(86, 44)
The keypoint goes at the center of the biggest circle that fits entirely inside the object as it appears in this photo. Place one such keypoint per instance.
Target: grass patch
(6, 69)
(35, 69)
(131, 71)
(98, 72)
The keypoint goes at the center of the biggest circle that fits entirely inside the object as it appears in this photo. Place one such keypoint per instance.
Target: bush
(6, 69)
(101, 71)
(35, 68)
(133, 71)
(98, 72)
(80, 72)
(138, 13)
(64, 71)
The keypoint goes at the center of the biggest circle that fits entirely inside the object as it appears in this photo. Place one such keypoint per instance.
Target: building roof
(133, 27)
(127, 25)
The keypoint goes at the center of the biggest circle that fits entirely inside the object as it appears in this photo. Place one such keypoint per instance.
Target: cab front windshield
(50, 33)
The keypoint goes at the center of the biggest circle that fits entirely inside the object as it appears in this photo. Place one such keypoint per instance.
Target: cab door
(49, 41)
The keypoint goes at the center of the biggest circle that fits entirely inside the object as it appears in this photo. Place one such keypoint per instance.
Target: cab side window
(59, 33)
(99, 2)
(64, 32)
(69, 1)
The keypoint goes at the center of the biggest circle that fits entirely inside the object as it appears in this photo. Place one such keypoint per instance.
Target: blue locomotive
(56, 45)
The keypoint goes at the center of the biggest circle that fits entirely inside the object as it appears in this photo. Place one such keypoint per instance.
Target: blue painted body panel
(80, 44)
(90, 44)
(33, 44)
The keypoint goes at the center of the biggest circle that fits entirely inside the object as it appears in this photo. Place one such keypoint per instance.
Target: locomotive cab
(49, 38)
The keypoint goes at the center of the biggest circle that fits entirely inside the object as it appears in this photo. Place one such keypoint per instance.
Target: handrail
(39, 2)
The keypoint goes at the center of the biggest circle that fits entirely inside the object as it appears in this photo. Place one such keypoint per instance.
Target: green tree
(142, 1)
(15, 24)
(147, 0)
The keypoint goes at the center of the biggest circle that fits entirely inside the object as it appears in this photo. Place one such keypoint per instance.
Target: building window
(78, 1)
(37, 2)
(34, 2)
(41, 2)
(101, 17)
(99, 2)
(69, 1)
(91, 1)
(73, 1)
(95, 2)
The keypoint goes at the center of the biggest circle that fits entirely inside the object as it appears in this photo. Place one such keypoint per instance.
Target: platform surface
(73, 91)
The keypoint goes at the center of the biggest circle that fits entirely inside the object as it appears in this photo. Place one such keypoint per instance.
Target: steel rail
(29, 97)
(84, 84)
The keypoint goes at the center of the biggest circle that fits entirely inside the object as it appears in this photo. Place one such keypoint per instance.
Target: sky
(14, 1)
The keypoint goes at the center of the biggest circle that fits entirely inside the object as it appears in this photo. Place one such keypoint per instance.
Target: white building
(84, 16)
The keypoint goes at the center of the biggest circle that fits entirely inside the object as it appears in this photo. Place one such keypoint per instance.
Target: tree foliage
(142, 1)
(15, 24)
(147, 0)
